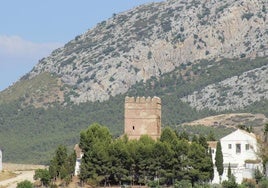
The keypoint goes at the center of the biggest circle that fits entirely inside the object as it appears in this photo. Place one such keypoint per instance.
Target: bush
(25, 184)
(229, 184)
(153, 184)
(247, 15)
(183, 184)
(149, 56)
(248, 183)
(202, 185)
(263, 183)
(43, 175)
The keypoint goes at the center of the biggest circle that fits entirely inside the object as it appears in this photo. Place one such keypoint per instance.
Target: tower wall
(142, 116)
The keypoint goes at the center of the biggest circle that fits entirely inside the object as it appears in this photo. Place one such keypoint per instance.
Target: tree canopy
(122, 161)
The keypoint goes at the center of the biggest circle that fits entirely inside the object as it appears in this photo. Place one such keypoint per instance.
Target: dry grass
(231, 120)
(44, 87)
(21, 167)
(4, 175)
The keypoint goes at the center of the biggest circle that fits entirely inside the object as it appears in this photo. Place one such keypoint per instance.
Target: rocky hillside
(154, 39)
(232, 93)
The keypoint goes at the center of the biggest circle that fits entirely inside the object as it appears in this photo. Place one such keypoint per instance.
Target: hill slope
(201, 57)
(154, 39)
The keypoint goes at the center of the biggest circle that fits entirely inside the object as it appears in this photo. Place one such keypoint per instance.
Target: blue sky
(31, 29)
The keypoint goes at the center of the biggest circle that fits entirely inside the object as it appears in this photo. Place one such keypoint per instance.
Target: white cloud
(18, 57)
(15, 46)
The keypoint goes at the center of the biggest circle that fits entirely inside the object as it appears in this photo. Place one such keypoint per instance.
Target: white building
(79, 155)
(239, 149)
(1, 162)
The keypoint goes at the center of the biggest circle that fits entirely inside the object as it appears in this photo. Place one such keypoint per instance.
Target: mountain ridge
(154, 39)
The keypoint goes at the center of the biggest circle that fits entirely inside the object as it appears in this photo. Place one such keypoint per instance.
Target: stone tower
(142, 116)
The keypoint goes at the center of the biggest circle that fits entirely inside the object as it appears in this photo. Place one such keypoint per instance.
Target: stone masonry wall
(142, 117)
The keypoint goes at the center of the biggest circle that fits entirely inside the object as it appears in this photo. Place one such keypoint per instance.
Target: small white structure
(79, 155)
(1, 162)
(239, 149)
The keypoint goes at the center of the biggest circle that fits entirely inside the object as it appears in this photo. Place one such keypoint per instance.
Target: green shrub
(25, 184)
(247, 16)
(183, 184)
(263, 183)
(149, 56)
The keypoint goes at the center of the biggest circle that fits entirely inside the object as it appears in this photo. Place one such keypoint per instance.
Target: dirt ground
(20, 176)
(12, 174)
(21, 167)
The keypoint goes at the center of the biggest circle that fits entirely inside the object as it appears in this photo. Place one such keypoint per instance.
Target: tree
(258, 175)
(183, 135)
(53, 169)
(195, 138)
(199, 164)
(120, 160)
(61, 166)
(219, 159)
(96, 163)
(168, 135)
(25, 184)
(211, 136)
(43, 175)
(230, 183)
(203, 141)
(211, 163)
(229, 172)
(57, 163)
(70, 163)
(263, 146)
(95, 133)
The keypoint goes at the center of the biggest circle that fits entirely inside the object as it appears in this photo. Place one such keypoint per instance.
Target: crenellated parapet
(154, 100)
(143, 103)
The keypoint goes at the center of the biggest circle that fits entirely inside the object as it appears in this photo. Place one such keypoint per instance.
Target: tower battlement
(142, 117)
(154, 100)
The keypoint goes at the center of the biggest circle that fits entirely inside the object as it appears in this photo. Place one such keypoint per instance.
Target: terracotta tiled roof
(212, 144)
(77, 150)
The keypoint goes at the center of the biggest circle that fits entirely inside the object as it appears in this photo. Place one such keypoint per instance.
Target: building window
(238, 148)
(247, 146)
(230, 146)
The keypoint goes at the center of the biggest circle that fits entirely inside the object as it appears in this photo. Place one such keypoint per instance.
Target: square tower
(142, 117)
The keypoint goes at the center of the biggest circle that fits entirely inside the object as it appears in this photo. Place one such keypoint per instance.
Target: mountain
(154, 39)
(201, 57)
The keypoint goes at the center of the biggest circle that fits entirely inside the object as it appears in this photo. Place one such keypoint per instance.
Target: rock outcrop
(154, 39)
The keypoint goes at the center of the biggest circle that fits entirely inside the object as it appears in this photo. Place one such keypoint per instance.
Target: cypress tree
(229, 172)
(211, 163)
(219, 159)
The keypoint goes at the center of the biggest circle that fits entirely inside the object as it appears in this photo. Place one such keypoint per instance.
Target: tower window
(133, 128)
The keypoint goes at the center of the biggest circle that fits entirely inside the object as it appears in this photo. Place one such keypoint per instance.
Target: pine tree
(43, 175)
(211, 136)
(219, 159)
